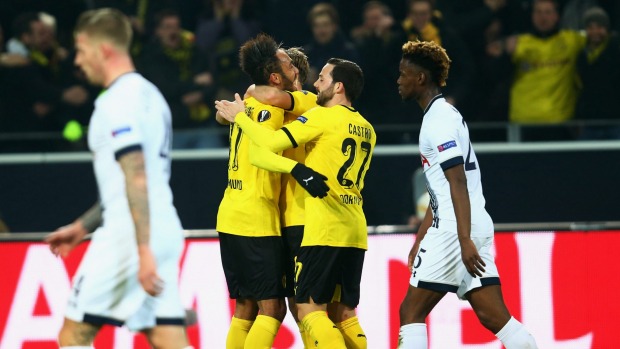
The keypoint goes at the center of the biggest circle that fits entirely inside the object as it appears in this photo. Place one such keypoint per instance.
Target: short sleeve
(122, 124)
(302, 102)
(445, 142)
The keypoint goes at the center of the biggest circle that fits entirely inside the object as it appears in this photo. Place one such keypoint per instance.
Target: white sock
(413, 336)
(515, 336)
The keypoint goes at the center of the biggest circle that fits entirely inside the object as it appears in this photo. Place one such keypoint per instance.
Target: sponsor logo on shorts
(447, 145)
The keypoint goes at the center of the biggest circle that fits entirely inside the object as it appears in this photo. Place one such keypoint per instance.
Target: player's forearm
(137, 195)
(426, 223)
(275, 141)
(92, 218)
(273, 96)
(267, 160)
(462, 208)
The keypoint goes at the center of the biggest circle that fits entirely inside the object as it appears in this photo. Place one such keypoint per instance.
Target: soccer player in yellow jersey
(339, 143)
(248, 221)
(292, 196)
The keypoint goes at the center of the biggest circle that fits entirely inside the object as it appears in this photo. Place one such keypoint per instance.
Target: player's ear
(106, 48)
(275, 78)
(422, 77)
(338, 87)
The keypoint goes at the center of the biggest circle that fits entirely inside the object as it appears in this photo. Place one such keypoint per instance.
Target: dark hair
(21, 24)
(257, 58)
(430, 56)
(300, 61)
(350, 75)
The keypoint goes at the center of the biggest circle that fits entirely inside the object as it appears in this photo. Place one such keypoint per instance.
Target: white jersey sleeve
(123, 124)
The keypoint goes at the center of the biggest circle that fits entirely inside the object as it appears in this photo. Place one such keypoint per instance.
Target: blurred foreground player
(129, 273)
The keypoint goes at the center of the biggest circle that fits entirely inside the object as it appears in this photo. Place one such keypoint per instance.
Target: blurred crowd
(525, 62)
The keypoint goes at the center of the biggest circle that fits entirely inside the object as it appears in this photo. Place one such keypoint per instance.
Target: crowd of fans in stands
(540, 62)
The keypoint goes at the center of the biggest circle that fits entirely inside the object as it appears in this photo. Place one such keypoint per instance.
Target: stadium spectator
(220, 32)
(327, 39)
(43, 95)
(599, 71)
(378, 41)
(421, 24)
(180, 70)
(141, 14)
(544, 88)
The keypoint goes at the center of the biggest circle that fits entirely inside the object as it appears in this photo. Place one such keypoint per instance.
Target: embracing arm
(267, 160)
(272, 96)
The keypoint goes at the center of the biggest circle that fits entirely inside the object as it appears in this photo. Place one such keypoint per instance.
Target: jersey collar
(432, 101)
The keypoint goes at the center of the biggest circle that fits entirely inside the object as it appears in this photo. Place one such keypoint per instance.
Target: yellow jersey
(339, 143)
(292, 195)
(250, 203)
(545, 82)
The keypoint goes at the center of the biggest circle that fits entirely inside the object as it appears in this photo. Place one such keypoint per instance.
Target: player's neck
(338, 99)
(427, 96)
(116, 67)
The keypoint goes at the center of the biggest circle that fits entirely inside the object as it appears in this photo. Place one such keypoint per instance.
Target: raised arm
(272, 96)
(132, 164)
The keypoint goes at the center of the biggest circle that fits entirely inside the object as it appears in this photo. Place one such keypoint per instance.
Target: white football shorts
(438, 265)
(106, 289)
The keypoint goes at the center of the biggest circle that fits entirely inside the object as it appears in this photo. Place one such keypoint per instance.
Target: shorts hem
(435, 286)
(169, 321)
(98, 320)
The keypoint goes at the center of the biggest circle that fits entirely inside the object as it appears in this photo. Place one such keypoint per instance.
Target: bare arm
(462, 210)
(92, 218)
(137, 194)
(272, 96)
(65, 238)
(422, 230)
(133, 167)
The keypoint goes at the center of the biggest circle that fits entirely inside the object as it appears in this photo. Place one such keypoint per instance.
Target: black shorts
(329, 274)
(253, 266)
(291, 237)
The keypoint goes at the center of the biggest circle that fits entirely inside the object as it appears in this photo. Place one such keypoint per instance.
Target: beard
(325, 96)
(288, 84)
